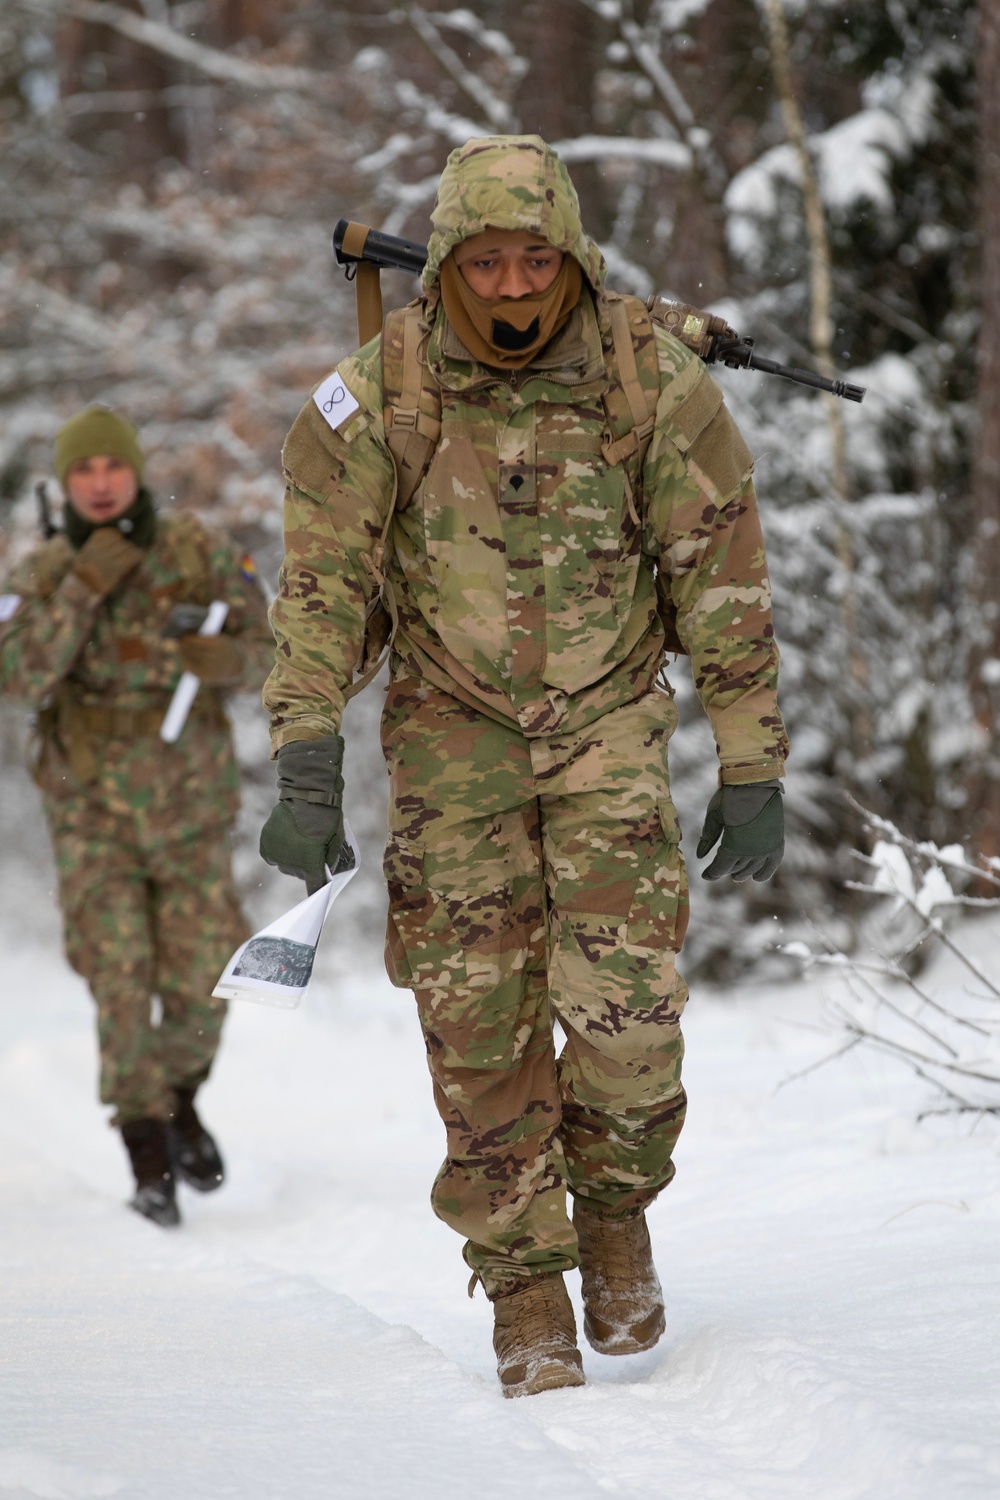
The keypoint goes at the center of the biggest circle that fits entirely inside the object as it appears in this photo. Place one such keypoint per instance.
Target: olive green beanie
(96, 431)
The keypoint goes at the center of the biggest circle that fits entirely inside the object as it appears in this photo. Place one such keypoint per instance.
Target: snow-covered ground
(831, 1271)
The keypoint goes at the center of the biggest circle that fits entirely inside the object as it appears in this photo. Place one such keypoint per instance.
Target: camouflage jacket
(523, 575)
(101, 674)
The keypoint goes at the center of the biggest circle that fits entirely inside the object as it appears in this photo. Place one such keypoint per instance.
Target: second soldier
(97, 626)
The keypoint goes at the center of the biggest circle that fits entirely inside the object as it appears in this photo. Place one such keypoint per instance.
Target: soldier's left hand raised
(751, 822)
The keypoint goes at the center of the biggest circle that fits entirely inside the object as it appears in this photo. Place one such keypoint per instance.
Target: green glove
(305, 831)
(751, 820)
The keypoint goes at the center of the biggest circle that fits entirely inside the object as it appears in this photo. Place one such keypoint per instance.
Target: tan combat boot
(534, 1335)
(622, 1300)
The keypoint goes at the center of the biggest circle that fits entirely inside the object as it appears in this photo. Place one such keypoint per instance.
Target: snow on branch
(163, 39)
(600, 147)
(951, 857)
(662, 80)
(455, 128)
(52, 307)
(405, 198)
(496, 42)
(947, 1032)
(496, 110)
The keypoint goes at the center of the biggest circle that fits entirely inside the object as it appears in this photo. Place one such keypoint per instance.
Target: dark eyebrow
(496, 249)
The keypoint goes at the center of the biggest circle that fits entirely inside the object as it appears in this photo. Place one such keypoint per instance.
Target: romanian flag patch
(248, 568)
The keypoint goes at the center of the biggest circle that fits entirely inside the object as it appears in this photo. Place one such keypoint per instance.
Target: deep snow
(830, 1266)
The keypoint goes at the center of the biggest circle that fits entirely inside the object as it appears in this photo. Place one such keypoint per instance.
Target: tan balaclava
(507, 332)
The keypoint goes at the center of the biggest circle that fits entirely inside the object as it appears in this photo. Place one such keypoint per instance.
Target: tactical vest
(411, 413)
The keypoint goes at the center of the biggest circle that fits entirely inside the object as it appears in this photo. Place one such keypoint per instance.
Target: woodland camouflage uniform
(533, 862)
(140, 828)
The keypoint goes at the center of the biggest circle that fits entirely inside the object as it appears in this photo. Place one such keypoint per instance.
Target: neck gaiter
(138, 524)
(509, 332)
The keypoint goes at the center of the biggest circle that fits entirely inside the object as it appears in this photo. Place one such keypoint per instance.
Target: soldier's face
(101, 489)
(508, 263)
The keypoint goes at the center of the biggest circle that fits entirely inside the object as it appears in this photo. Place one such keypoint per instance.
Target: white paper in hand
(187, 688)
(274, 967)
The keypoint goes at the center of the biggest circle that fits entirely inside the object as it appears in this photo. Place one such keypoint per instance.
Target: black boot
(155, 1197)
(193, 1152)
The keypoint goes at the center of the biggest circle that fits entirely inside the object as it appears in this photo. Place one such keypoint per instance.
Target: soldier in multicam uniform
(95, 629)
(545, 487)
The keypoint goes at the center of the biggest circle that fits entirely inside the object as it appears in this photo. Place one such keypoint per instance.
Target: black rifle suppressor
(388, 252)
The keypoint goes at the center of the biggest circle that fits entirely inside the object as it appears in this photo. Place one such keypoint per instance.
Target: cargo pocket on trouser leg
(615, 987)
(459, 909)
(466, 932)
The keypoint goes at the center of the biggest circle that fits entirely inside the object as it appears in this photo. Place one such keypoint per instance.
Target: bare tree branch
(455, 128)
(652, 65)
(600, 147)
(496, 110)
(820, 1062)
(163, 39)
(892, 835)
(898, 1049)
(128, 101)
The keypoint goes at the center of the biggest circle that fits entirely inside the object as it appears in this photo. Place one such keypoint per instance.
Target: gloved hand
(105, 558)
(306, 830)
(751, 820)
(216, 659)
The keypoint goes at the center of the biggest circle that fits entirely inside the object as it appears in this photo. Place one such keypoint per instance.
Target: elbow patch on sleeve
(718, 458)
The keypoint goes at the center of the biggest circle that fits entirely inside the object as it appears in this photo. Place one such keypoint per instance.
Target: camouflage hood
(508, 182)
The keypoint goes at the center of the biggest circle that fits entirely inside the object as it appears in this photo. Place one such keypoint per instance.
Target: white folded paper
(187, 689)
(274, 967)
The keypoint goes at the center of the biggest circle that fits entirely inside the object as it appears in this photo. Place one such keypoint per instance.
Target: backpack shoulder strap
(632, 394)
(630, 408)
(411, 399)
(411, 415)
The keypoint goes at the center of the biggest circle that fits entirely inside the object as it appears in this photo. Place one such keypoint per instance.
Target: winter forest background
(827, 175)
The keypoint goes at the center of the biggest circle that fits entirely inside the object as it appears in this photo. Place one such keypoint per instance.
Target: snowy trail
(830, 1270)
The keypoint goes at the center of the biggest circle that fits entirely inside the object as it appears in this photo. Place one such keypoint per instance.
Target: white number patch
(335, 401)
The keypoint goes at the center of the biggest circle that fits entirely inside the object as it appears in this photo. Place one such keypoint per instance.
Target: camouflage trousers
(533, 880)
(141, 921)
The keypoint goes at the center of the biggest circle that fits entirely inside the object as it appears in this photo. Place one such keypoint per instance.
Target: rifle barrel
(45, 522)
(807, 377)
